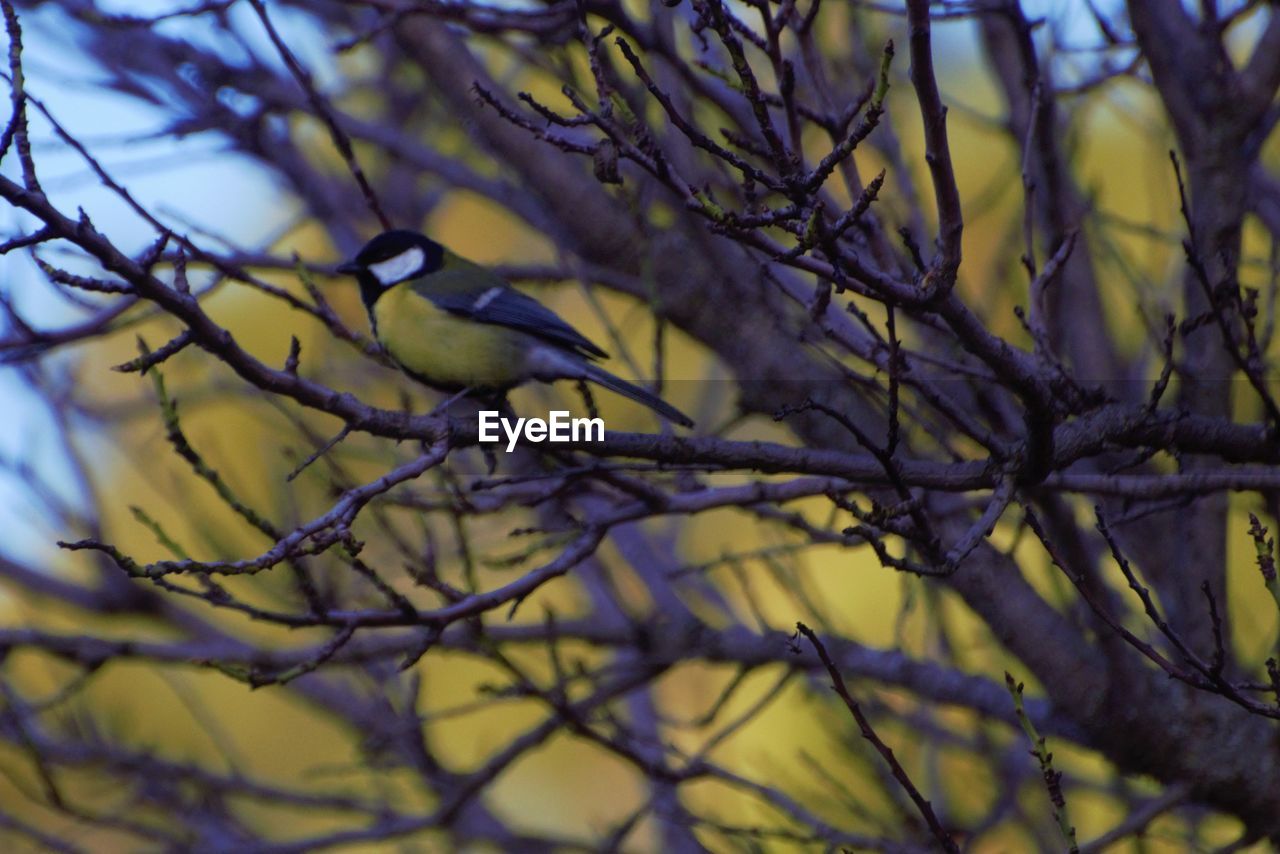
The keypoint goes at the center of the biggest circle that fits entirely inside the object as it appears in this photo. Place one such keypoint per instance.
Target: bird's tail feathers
(602, 377)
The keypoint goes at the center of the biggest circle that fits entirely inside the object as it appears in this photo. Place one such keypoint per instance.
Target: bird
(460, 327)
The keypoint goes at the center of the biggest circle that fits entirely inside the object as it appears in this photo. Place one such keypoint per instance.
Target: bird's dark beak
(349, 268)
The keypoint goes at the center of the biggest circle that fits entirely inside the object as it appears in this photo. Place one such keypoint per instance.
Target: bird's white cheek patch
(399, 268)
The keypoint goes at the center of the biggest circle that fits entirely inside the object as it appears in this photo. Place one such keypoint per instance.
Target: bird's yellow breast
(444, 349)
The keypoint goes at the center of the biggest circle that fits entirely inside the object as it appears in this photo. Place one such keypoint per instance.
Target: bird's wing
(455, 291)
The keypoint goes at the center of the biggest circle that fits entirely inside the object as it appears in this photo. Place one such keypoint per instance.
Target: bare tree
(776, 182)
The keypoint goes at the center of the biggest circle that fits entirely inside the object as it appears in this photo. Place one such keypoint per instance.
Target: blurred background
(174, 723)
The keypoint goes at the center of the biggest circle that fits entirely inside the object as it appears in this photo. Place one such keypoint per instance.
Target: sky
(194, 181)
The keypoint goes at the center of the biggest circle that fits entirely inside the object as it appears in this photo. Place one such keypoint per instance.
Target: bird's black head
(390, 258)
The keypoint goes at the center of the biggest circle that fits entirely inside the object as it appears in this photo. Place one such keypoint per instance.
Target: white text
(558, 427)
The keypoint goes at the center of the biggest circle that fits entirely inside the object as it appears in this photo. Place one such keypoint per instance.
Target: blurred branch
(742, 176)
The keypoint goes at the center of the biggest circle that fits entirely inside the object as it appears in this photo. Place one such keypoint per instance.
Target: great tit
(456, 326)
